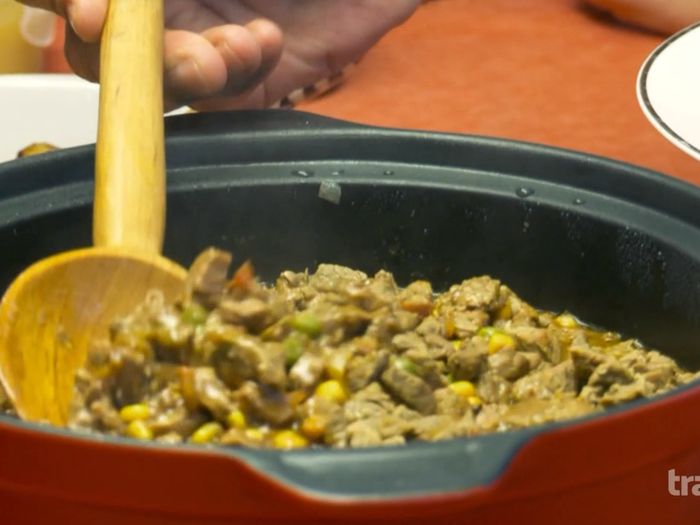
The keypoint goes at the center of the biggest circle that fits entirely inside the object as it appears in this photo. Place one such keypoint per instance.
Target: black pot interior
(612, 243)
(563, 230)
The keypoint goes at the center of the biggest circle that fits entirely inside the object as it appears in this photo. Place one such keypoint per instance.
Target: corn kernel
(498, 341)
(332, 390)
(287, 439)
(506, 311)
(207, 433)
(137, 412)
(336, 363)
(218, 333)
(603, 340)
(236, 419)
(487, 331)
(457, 344)
(463, 388)
(475, 400)
(296, 397)
(139, 429)
(101, 371)
(255, 434)
(566, 321)
(314, 427)
(450, 327)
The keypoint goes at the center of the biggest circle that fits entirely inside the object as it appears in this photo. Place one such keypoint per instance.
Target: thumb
(86, 17)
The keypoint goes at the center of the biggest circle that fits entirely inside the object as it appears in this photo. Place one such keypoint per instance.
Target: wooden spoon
(53, 310)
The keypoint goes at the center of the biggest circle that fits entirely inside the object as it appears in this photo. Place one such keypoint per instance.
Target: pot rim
(652, 190)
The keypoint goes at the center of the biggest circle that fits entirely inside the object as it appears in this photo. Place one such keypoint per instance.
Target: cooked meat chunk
(417, 297)
(207, 277)
(468, 363)
(363, 369)
(478, 293)
(265, 404)
(509, 364)
(547, 382)
(409, 389)
(493, 388)
(332, 278)
(212, 393)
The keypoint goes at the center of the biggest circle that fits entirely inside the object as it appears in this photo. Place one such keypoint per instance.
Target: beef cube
(409, 389)
(468, 363)
(364, 369)
(509, 364)
(206, 279)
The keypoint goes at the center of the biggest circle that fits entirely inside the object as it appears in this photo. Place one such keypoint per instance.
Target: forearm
(664, 16)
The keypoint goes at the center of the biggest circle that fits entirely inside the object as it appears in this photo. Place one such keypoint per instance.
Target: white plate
(668, 89)
(58, 109)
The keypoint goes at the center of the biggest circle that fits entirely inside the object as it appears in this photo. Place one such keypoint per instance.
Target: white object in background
(17, 55)
(59, 109)
(38, 27)
(668, 89)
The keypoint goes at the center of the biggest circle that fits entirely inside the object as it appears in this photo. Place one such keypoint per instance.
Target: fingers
(253, 99)
(193, 68)
(82, 57)
(55, 6)
(250, 53)
(85, 16)
(224, 61)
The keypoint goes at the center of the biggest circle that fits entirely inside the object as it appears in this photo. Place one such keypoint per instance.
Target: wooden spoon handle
(129, 208)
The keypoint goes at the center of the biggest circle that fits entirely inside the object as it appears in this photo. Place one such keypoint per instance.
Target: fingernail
(70, 10)
(188, 75)
(223, 48)
(184, 70)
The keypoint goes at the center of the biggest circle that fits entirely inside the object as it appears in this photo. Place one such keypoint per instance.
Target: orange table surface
(544, 71)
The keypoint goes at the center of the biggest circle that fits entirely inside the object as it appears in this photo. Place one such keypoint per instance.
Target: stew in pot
(340, 359)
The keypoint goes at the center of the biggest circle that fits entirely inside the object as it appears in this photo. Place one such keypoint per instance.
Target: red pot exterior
(610, 470)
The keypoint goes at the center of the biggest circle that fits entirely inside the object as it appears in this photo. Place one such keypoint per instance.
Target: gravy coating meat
(338, 358)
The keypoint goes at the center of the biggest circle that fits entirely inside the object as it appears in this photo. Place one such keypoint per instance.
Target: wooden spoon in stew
(52, 311)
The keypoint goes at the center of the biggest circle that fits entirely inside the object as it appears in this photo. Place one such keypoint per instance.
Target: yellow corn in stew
(341, 359)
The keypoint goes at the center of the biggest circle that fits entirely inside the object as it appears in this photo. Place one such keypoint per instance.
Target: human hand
(663, 16)
(234, 54)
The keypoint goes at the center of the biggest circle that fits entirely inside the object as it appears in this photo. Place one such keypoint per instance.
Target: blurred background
(31, 41)
(548, 71)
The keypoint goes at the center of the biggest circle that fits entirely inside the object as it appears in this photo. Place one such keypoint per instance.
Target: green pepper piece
(307, 323)
(404, 363)
(293, 348)
(194, 314)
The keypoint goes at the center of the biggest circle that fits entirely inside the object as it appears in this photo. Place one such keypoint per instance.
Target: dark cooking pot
(614, 243)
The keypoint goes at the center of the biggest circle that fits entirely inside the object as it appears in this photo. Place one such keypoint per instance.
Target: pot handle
(390, 473)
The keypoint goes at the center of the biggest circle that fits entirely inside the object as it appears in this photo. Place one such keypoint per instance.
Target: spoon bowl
(53, 311)
(56, 308)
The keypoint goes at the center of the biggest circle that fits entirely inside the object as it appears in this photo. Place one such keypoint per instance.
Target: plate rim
(646, 104)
